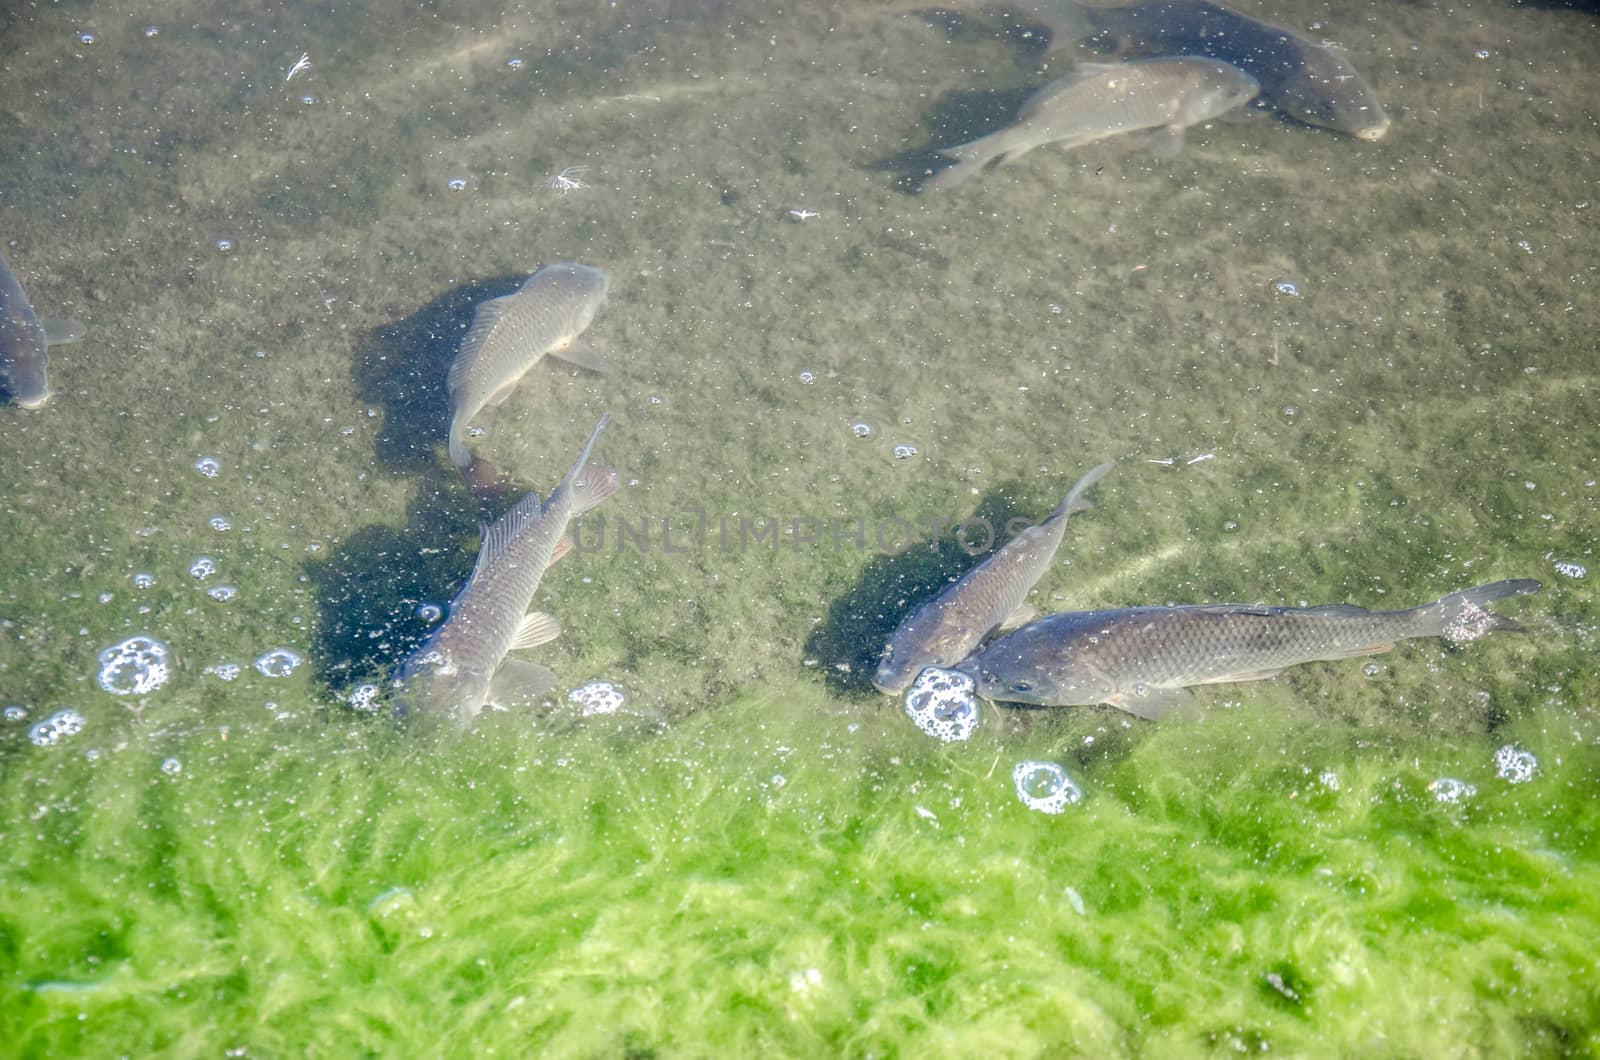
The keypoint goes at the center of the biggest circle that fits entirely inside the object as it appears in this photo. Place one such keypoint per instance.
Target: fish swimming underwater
(511, 333)
(944, 630)
(1305, 80)
(463, 665)
(1142, 659)
(1100, 100)
(24, 342)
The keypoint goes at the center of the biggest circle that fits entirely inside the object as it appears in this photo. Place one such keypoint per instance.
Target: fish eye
(1022, 686)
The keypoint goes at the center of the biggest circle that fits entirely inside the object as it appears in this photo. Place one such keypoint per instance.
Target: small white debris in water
(1330, 780)
(1075, 900)
(803, 215)
(301, 65)
(1515, 765)
(597, 697)
(801, 982)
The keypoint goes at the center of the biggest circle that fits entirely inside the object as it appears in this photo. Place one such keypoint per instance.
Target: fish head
(1332, 95)
(431, 682)
(1010, 685)
(1221, 87)
(914, 648)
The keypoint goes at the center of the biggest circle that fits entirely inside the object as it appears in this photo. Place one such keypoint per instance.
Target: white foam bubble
(1515, 765)
(1451, 791)
(15, 712)
(944, 704)
(363, 698)
(171, 766)
(222, 593)
(136, 667)
(1045, 786)
(209, 466)
(225, 671)
(597, 697)
(56, 727)
(202, 568)
(279, 662)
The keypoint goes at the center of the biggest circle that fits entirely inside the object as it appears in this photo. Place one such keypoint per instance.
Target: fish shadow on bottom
(369, 590)
(857, 625)
(958, 117)
(401, 367)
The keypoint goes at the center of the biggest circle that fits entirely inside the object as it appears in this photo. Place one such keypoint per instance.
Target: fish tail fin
(1075, 501)
(1465, 615)
(970, 160)
(460, 455)
(590, 487)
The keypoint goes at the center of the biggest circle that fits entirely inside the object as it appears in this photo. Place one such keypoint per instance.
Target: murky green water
(760, 855)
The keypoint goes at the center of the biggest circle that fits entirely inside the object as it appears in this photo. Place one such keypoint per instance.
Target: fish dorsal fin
(483, 322)
(1330, 610)
(498, 536)
(537, 628)
(59, 332)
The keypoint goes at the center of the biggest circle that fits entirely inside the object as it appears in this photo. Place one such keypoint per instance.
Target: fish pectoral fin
(1243, 675)
(582, 358)
(499, 397)
(1149, 702)
(1165, 142)
(59, 332)
(562, 548)
(1366, 649)
(520, 684)
(1021, 615)
(537, 628)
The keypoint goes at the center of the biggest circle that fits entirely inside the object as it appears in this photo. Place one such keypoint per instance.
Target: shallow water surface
(1328, 370)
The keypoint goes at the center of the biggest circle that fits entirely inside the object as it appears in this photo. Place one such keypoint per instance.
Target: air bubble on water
(1482, 53)
(1229, 526)
(1568, 569)
(209, 466)
(106, 598)
(1329, 779)
(15, 712)
(430, 613)
(136, 667)
(597, 697)
(943, 703)
(1514, 765)
(363, 698)
(1287, 288)
(222, 593)
(1045, 786)
(219, 524)
(152, 31)
(202, 568)
(904, 451)
(87, 37)
(808, 378)
(224, 671)
(308, 99)
(143, 580)
(514, 62)
(171, 766)
(1372, 669)
(225, 246)
(476, 431)
(456, 184)
(279, 662)
(1451, 791)
(55, 728)
(778, 780)
(861, 429)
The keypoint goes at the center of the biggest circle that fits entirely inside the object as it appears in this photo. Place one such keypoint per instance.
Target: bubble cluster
(55, 728)
(1045, 786)
(136, 667)
(1470, 623)
(279, 662)
(1568, 569)
(209, 466)
(944, 705)
(1451, 791)
(219, 523)
(1515, 765)
(225, 671)
(15, 712)
(597, 697)
(202, 568)
(904, 451)
(808, 378)
(222, 593)
(363, 698)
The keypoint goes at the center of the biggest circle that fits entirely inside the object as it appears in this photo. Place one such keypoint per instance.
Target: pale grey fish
(464, 664)
(945, 629)
(1143, 659)
(1100, 100)
(511, 333)
(24, 343)
(1305, 80)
